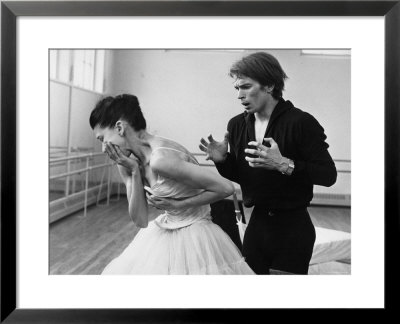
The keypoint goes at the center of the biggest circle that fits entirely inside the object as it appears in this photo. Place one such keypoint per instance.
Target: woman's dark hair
(111, 109)
(262, 67)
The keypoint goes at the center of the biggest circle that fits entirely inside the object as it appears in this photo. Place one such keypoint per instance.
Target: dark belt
(280, 212)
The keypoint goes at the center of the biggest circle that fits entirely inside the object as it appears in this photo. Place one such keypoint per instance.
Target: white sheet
(330, 268)
(331, 245)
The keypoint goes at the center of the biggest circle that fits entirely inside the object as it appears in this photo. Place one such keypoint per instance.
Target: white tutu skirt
(201, 248)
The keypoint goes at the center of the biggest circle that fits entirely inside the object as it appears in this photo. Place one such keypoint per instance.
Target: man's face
(252, 95)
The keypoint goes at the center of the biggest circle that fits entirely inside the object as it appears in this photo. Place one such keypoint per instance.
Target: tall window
(81, 68)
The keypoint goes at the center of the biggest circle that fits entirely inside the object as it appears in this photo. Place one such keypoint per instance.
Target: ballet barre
(80, 158)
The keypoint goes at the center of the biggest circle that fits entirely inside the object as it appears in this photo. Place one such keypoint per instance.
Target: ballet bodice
(169, 188)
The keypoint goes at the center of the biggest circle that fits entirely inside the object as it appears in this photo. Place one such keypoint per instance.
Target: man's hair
(111, 109)
(262, 67)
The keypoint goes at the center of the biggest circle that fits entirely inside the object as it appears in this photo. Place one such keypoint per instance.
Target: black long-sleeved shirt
(300, 138)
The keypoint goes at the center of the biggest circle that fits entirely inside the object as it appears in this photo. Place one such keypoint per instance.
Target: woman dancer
(183, 240)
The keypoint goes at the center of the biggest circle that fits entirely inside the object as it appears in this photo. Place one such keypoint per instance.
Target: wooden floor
(85, 245)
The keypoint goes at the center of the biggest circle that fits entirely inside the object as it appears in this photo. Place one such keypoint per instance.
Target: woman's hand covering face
(115, 154)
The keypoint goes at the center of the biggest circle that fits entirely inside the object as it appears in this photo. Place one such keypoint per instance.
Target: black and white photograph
(200, 161)
(197, 161)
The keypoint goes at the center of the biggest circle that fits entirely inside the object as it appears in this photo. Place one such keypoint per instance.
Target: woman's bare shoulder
(166, 147)
(169, 143)
(166, 152)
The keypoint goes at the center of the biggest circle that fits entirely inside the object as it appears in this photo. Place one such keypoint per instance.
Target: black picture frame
(10, 11)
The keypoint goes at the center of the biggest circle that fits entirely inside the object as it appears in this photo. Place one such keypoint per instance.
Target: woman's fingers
(156, 202)
(114, 152)
(112, 148)
(118, 150)
(110, 151)
(150, 199)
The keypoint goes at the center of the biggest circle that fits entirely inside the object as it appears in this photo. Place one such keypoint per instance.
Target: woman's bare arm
(130, 174)
(215, 187)
(138, 209)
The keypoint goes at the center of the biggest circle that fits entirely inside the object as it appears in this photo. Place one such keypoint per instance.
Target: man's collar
(280, 107)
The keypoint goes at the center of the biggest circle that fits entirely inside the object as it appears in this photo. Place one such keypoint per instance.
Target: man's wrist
(283, 165)
(223, 159)
(286, 166)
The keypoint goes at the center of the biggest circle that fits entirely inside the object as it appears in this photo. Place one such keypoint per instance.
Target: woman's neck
(141, 146)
